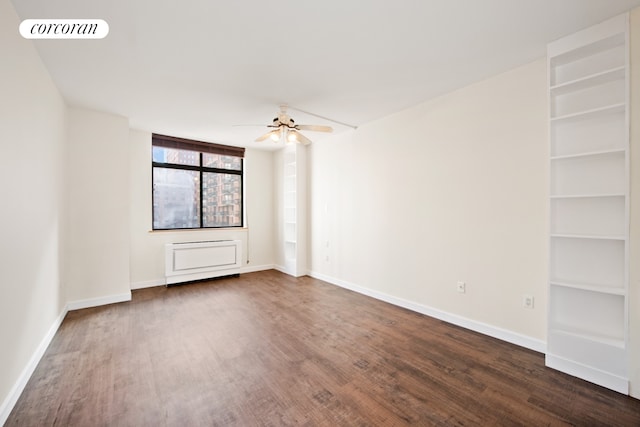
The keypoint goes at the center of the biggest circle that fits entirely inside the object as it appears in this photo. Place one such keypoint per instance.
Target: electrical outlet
(461, 287)
(527, 301)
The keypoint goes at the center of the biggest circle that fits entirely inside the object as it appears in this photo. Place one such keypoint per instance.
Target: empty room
(331, 213)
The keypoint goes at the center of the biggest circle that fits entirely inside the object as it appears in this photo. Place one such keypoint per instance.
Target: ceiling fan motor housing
(286, 129)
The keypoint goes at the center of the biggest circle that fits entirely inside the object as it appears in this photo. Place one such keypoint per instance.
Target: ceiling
(196, 68)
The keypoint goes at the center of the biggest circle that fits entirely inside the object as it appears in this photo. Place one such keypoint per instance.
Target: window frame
(199, 147)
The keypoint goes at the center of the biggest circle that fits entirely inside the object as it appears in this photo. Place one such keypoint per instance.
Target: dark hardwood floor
(267, 349)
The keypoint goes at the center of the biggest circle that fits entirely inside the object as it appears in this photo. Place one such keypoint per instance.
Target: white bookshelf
(589, 204)
(294, 199)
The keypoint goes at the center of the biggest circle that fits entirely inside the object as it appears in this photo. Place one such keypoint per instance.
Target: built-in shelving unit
(589, 204)
(294, 196)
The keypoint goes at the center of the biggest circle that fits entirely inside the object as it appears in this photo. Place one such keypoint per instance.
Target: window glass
(221, 204)
(176, 157)
(176, 198)
(221, 162)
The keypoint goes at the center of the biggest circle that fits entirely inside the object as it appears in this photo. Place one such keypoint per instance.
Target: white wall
(98, 202)
(454, 189)
(32, 132)
(634, 278)
(260, 208)
(147, 247)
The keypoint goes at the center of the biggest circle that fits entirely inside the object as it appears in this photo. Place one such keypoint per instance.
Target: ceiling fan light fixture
(275, 136)
(292, 136)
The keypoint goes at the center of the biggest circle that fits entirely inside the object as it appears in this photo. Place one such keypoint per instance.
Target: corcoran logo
(64, 29)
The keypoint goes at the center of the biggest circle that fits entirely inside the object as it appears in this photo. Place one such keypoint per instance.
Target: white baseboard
(483, 328)
(254, 268)
(290, 272)
(596, 376)
(148, 284)
(18, 387)
(282, 269)
(163, 282)
(205, 275)
(95, 302)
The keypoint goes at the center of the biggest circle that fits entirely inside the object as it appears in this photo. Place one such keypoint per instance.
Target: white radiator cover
(202, 260)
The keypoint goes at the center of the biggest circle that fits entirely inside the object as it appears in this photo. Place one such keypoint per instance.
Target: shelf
(601, 339)
(606, 76)
(590, 153)
(588, 95)
(584, 196)
(588, 216)
(593, 261)
(565, 56)
(592, 315)
(615, 108)
(291, 253)
(589, 175)
(591, 288)
(589, 236)
(602, 133)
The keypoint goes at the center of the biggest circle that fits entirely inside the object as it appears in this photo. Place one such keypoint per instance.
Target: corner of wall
(634, 244)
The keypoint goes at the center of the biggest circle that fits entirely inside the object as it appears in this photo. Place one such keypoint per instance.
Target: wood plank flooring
(267, 349)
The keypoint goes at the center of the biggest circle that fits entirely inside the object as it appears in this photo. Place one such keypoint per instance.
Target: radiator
(202, 260)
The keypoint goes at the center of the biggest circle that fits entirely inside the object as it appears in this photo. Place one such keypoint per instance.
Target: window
(196, 184)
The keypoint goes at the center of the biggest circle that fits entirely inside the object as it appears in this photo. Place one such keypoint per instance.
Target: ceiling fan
(283, 128)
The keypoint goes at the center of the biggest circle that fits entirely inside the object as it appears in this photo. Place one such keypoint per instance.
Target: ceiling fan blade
(315, 128)
(301, 139)
(265, 136)
(262, 126)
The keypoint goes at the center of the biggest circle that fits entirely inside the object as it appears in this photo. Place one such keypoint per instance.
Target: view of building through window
(194, 189)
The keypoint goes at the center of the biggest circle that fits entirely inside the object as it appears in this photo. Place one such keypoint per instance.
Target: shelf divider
(611, 341)
(616, 73)
(614, 108)
(585, 196)
(610, 290)
(589, 154)
(588, 236)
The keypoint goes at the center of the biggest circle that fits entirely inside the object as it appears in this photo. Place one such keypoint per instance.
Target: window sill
(206, 230)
